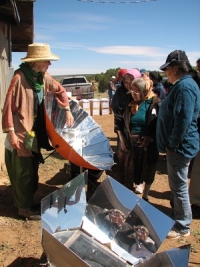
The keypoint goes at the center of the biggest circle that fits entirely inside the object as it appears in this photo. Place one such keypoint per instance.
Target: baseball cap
(143, 71)
(177, 55)
(121, 72)
(113, 77)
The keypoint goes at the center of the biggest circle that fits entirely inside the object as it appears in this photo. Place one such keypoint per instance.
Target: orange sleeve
(10, 106)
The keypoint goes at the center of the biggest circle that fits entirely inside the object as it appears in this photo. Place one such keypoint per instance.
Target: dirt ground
(20, 241)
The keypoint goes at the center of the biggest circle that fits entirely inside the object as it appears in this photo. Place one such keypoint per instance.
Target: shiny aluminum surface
(85, 136)
(95, 234)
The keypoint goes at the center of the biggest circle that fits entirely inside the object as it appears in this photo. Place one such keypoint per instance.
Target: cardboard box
(94, 111)
(94, 103)
(84, 103)
(104, 111)
(104, 104)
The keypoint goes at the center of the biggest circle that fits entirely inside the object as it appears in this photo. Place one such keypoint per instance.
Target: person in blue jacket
(158, 87)
(177, 135)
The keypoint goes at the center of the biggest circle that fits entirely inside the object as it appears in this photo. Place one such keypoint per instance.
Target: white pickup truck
(78, 86)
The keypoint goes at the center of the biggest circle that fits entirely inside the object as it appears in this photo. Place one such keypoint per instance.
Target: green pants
(23, 175)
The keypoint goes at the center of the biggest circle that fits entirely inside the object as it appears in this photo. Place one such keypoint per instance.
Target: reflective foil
(115, 228)
(83, 143)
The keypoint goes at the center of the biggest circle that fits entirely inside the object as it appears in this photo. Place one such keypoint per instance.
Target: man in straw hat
(23, 121)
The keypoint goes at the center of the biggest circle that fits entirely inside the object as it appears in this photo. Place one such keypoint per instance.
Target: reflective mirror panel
(115, 228)
(85, 137)
(64, 208)
(177, 257)
(132, 223)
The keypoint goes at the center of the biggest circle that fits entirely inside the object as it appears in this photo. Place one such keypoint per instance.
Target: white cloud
(131, 50)
(74, 22)
(149, 65)
(84, 17)
(74, 71)
(154, 55)
(128, 57)
(68, 45)
(193, 56)
(42, 37)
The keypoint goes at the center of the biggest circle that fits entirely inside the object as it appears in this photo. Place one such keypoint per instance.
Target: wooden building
(16, 33)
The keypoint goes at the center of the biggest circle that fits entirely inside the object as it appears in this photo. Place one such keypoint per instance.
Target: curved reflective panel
(84, 143)
(124, 218)
(64, 208)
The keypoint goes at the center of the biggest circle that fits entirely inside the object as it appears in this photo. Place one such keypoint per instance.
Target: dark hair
(198, 60)
(155, 75)
(195, 76)
(186, 68)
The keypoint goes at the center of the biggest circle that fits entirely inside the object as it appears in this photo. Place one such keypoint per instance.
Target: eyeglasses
(134, 92)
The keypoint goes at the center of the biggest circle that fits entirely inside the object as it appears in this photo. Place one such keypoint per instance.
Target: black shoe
(36, 206)
(29, 214)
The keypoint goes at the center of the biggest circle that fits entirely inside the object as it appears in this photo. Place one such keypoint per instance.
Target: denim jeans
(177, 167)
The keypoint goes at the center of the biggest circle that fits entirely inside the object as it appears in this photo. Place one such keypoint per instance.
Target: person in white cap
(24, 122)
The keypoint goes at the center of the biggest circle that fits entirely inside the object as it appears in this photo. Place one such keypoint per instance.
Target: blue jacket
(177, 119)
(159, 90)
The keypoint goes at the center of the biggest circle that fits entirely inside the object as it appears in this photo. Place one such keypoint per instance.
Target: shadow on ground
(29, 262)
(160, 195)
(6, 199)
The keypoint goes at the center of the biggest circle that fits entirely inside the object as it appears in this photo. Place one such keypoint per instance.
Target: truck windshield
(73, 80)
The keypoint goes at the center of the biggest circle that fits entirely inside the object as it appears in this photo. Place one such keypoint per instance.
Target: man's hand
(14, 141)
(69, 118)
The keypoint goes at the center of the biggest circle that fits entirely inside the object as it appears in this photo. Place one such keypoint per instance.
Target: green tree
(103, 84)
(98, 77)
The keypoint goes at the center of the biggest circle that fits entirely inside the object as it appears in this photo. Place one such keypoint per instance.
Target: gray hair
(145, 86)
(140, 84)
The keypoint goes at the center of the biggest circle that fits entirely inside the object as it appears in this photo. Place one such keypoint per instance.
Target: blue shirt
(159, 90)
(177, 118)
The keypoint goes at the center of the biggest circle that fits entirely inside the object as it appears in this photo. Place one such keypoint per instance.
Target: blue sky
(93, 37)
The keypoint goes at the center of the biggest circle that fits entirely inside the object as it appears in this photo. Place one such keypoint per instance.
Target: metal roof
(19, 14)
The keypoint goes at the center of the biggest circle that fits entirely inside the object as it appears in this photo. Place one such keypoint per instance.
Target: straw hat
(39, 52)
